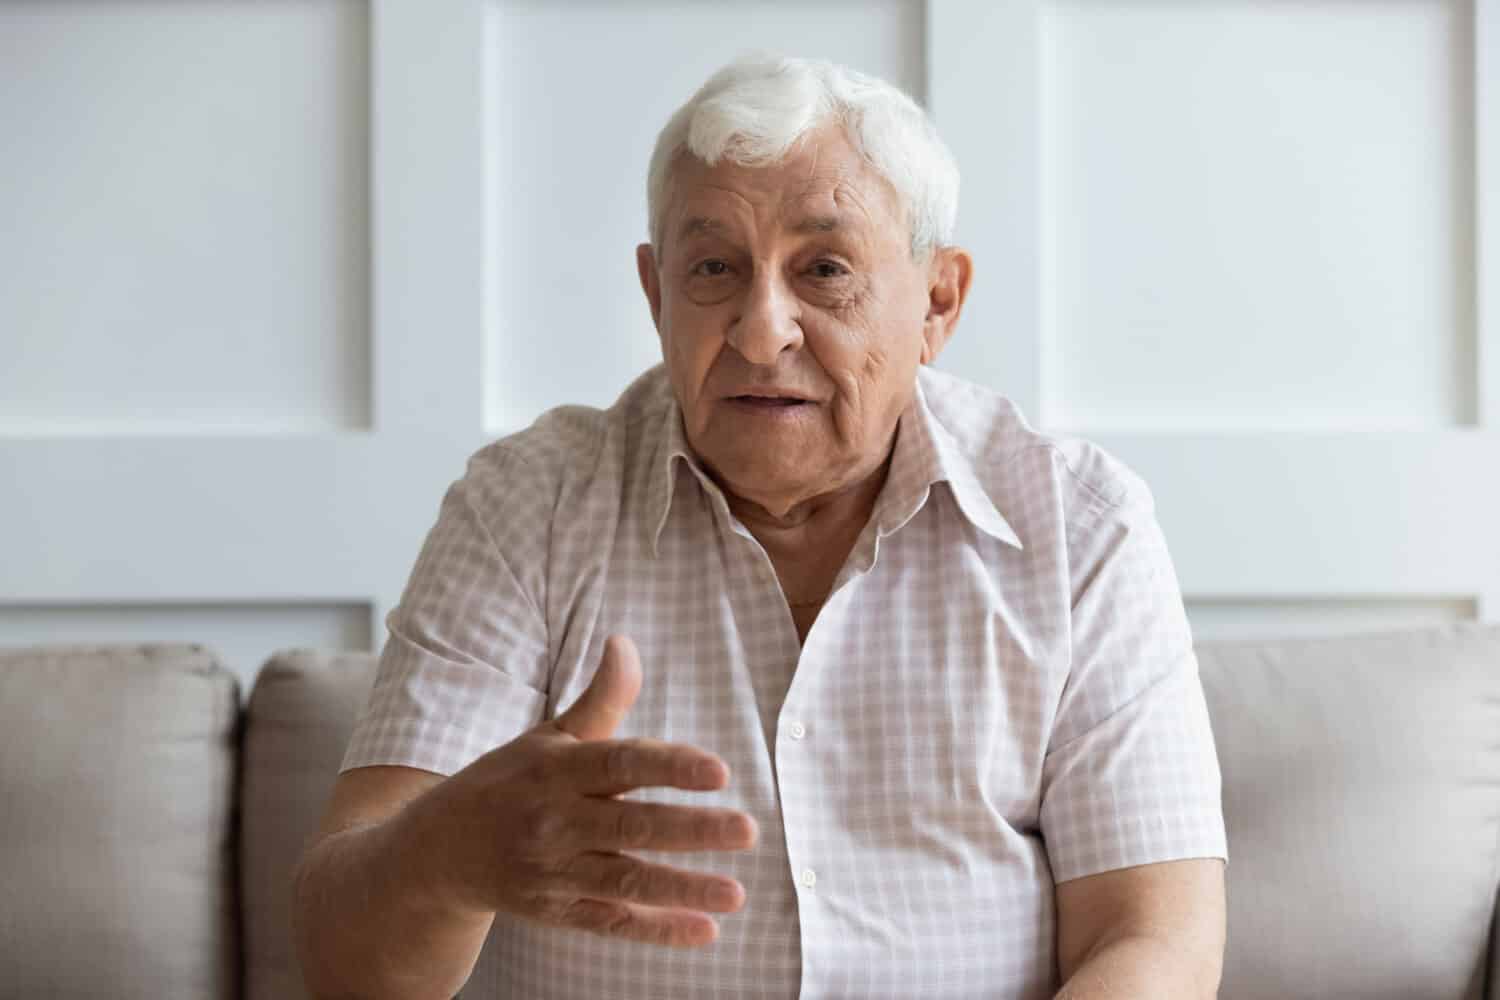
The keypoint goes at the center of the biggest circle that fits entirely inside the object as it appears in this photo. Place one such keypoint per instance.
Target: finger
(609, 767)
(671, 928)
(615, 824)
(619, 877)
(609, 695)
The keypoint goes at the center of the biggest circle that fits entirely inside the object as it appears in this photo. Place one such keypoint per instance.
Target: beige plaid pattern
(1000, 694)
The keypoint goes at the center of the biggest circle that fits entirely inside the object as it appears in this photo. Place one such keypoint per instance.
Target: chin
(754, 478)
(765, 477)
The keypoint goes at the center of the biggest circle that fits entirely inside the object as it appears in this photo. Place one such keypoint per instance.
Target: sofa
(150, 821)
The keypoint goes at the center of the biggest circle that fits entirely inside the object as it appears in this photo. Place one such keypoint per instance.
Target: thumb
(609, 695)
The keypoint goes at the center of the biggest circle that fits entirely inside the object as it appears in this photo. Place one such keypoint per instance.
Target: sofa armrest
(298, 723)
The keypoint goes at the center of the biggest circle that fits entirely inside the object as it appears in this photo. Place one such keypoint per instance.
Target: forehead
(822, 183)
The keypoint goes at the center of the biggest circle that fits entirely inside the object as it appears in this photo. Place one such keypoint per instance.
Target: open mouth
(772, 402)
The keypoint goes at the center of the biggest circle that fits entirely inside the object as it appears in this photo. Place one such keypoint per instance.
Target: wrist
(423, 849)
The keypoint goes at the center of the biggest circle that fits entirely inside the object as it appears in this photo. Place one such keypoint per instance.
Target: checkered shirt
(1000, 693)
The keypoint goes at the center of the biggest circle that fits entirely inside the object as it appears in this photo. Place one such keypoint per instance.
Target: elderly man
(913, 679)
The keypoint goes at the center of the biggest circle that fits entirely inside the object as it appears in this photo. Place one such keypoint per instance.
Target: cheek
(689, 347)
(894, 340)
(873, 371)
(862, 360)
(854, 371)
(880, 376)
(864, 378)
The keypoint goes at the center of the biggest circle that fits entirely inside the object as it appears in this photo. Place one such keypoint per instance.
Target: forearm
(1137, 968)
(366, 922)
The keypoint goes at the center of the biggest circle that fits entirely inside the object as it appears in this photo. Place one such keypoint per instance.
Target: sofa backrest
(117, 799)
(1362, 798)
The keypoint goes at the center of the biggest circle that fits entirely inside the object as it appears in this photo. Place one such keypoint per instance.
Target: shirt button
(809, 878)
(798, 731)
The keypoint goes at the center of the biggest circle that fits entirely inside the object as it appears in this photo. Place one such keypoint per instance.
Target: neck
(822, 526)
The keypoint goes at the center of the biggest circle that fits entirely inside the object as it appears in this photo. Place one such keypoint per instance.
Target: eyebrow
(702, 225)
(818, 224)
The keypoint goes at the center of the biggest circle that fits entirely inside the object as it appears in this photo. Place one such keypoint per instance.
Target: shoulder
(572, 450)
(1018, 465)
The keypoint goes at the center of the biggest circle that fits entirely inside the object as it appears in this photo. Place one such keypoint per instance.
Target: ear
(949, 274)
(645, 267)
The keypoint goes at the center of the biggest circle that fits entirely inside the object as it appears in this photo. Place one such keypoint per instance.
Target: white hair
(756, 108)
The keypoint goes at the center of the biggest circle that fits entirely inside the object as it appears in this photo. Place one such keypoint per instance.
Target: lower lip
(768, 408)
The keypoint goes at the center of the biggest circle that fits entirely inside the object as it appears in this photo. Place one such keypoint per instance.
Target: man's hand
(535, 828)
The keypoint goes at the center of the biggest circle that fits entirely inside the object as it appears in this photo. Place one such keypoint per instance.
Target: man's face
(794, 280)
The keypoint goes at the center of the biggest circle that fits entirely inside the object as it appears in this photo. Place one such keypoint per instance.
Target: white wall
(269, 272)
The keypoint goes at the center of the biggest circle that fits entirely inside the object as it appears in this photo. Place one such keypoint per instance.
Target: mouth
(770, 404)
(772, 401)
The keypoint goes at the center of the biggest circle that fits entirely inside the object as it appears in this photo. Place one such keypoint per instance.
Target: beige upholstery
(298, 722)
(1362, 795)
(1361, 791)
(117, 777)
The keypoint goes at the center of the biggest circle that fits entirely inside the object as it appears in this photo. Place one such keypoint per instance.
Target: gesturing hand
(536, 828)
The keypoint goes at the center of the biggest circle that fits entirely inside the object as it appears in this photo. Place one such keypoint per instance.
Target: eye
(825, 268)
(711, 268)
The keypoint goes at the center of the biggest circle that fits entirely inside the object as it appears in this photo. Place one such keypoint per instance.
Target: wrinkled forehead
(822, 185)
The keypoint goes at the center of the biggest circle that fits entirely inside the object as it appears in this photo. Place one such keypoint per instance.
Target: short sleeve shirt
(999, 694)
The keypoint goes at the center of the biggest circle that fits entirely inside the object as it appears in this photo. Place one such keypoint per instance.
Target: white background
(269, 272)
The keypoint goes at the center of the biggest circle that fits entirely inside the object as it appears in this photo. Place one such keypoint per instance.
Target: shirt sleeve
(465, 665)
(1131, 774)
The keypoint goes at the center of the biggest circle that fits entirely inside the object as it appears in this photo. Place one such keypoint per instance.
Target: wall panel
(183, 196)
(1258, 215)
(1238, 244)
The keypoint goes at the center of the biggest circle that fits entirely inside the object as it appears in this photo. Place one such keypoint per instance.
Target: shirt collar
(671, 447)
(925, 453)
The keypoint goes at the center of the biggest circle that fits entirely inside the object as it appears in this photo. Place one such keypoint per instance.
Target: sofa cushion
(297, 724)
(1362, 801)
(117, 774)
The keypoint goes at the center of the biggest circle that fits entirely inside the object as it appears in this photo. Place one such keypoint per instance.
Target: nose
(767, 323)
